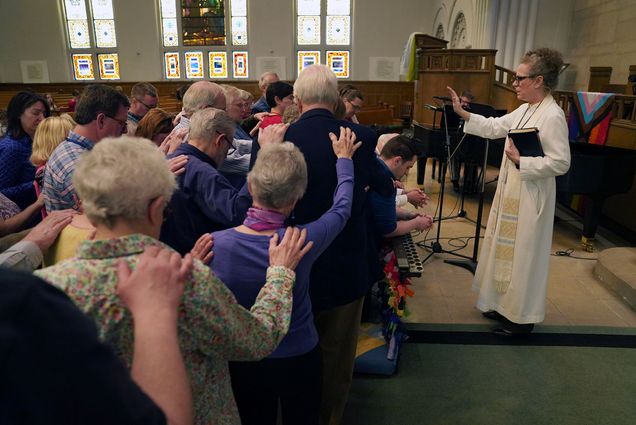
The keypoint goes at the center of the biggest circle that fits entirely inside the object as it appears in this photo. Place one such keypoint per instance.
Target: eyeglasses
(123, 123)
(232, 148)
(147, 106)
(520, 78)
(356, 108)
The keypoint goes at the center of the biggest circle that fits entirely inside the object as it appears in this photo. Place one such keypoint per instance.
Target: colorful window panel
(105, 33)
(83, 67)
(170, 34)
(239, 22)
(308, 30)
(307, 58)
(338, 62)
(240, 64)
(171, 62)
(78, 34)
(338, 30)
(218, 64)
(108, 66)
(203, 23)
(194, 64)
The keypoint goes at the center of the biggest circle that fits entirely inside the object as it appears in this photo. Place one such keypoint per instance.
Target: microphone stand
(436, 247)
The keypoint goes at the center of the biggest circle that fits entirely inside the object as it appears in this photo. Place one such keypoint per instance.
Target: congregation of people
(211, 267)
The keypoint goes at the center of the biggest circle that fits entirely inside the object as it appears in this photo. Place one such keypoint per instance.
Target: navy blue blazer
(345, 271)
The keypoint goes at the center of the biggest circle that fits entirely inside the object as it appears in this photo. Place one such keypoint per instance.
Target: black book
(527, 141)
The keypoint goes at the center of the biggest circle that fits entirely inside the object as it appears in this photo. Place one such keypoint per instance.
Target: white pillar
(532, 25)
(521, 29)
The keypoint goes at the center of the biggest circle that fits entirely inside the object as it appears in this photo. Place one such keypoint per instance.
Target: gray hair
(245, 95)
(204, 123)
(263, 82)
(279, 176)
(203, 94)
(119, 177)
(545, 62)
(231, 93)
(317, 84)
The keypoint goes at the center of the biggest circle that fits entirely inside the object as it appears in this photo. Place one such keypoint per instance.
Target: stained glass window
(308, 30)
(83, 67)
(78, 34)
(102, 9)
(338, 30)
(307, 58)
(218, 64)
(239, 31)
(338, 7)
(105, 33)
(338, 62)
(308, 7)
(194, 64)
(171, 61)
(99, 33)
(203, 23)
(331, 18)
(239, 61)
(170, 34)
(108, 66)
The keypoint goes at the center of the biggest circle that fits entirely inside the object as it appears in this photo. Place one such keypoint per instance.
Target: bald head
(201, 95)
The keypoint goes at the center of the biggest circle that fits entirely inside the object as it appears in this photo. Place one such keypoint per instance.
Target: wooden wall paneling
(599, 77)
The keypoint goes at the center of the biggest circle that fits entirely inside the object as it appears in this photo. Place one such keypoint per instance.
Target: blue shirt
(261, 106)
(383, 207)
(16, 171)
(241, 260)
(204, 202)
(58, 190)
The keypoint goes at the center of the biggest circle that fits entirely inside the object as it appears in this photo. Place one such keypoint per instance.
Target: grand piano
(596, 171)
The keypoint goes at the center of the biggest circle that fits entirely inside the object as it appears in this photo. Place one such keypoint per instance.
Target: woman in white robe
(512, 273)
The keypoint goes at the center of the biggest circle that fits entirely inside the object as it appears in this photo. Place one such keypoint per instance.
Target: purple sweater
(240, 261)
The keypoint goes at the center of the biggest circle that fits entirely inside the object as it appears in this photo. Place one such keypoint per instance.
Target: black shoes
(493, 315)
(511, 329)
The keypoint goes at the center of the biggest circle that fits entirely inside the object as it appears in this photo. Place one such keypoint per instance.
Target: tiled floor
(575, 297)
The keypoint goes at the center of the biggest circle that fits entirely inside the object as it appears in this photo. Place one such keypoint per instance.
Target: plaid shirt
(58, 190)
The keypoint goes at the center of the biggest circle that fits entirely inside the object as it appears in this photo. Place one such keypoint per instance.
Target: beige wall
(33, 30)
(603, 35)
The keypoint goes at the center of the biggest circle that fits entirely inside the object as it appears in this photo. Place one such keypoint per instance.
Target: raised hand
(343, 146)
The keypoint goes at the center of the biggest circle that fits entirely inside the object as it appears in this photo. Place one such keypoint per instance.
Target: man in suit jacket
(344, 272)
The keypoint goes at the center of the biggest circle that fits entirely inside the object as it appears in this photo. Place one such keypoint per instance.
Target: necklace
(519, 124)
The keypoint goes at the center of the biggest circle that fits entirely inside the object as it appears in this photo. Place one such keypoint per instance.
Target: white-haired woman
(512, 276)
(290, 376)
(124, 185)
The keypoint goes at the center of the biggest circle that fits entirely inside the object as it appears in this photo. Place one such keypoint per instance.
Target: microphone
(446, 98)
(432, 107)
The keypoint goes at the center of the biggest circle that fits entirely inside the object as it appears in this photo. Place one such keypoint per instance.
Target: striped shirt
(58, 190)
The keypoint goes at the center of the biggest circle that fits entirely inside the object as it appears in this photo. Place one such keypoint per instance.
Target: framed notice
(218, 64)
(171, 62)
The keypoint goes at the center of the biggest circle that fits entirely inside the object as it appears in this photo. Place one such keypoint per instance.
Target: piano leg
(591, 217)
(421, 168)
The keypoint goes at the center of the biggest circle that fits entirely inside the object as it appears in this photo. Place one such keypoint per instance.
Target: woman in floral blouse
(124, 185)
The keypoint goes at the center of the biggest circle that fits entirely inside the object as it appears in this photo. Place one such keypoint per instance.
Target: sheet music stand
(470, 263)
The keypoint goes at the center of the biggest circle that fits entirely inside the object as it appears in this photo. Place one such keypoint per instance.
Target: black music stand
(470, 263)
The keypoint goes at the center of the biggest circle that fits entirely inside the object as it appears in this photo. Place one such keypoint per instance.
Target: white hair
(203, 94)
(204, 123)
(119, 177)
(279, 176)
(317, 84)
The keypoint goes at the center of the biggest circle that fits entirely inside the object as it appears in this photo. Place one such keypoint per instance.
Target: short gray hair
(263, 82)
(200, 95)
(204, 123)
(231, 93)
(119, 177)
(317, 84)
(279, 176)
